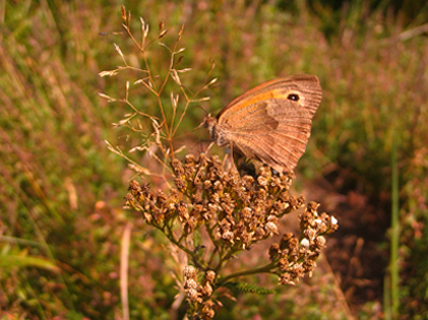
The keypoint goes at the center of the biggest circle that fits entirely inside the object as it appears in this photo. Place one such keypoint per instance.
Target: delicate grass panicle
(213, 213)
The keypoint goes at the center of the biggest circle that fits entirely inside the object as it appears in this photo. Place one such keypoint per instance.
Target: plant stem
(395, 233)
(265, 269)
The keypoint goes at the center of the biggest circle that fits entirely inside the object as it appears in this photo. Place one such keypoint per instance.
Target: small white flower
(305, 243)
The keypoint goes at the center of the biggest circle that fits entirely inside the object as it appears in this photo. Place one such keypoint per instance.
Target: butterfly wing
(272, 122)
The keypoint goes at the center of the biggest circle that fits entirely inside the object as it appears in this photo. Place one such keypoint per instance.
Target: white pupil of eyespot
(293, 97)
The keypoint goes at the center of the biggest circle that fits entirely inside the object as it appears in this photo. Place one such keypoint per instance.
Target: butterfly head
(210, 123)
(215, 130)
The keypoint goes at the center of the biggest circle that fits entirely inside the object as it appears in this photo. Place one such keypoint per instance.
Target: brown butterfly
(271, 122)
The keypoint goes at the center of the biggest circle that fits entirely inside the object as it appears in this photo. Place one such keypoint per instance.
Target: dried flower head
(235, 213)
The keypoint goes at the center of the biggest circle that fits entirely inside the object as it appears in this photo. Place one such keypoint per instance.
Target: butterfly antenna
(202, 108)
(194, 129)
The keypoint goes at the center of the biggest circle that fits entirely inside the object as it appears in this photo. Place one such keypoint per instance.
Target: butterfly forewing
(272, 122)
(307, 84)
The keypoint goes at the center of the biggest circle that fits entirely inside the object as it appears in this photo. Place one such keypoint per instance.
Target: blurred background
(61, 189)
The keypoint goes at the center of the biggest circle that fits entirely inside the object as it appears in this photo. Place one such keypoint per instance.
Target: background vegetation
(61, 189)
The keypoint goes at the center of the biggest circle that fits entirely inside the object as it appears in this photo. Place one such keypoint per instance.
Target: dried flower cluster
(200, 294)
(294, 258)
(236, 212)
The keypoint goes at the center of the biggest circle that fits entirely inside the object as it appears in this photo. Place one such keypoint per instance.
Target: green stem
(216, 248)
(172, 238)
(265, 269)
(225, 256)
(395, 234)
(174, 241)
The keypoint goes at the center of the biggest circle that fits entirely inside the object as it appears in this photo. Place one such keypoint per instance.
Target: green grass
(61, 189)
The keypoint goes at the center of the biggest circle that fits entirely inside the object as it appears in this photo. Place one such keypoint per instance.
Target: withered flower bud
(309, 233)
(197, 210)
(261, 194)
(134, 185)
(158, 214)
(182, 211)
(286, 179)
(293, 255)
(248, 182)
(189, 166)
(227, 208)
(243, 195)
(274, 251)
(218, 185)
(246, 239)
(245, 214)
(293, 243)
(207, 184)
(333, 225)
(226, 198)
(190, 225)
(284, 196)
(203, 160)
(321, 226)
(279, 206)
(307, 220)
(189, 272)
(265, 171)
(189, 159)
(190, 284)
(275, 181)
(312, 206)
(259, 233)
(210, 276)
(297, 202)
(207, 310)
(234, 180)
(283, 264)
(197, 183)
(231, 220)
(271, 227)
(212, 209)
(197, 196)
(309, 266)
(177, 168)
(286, 278)
(224, 224)
(161, 198)
(320, 243)
(297, 272)
(147, 217)
(305, 243)
(262, 181)
(180, 184)
(129, 199)
(173, 194)
(274, 185)
(228, 236)
(239, 227)
(207, 216)
(215, 197)
(207, 289)
(192, 295)
(285, 240)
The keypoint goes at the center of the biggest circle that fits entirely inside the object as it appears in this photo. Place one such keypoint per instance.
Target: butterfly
(271, 122)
